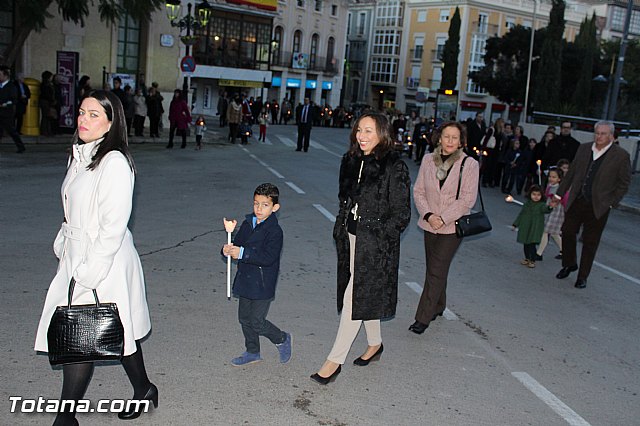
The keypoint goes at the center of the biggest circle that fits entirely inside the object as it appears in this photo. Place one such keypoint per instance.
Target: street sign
(188, 64)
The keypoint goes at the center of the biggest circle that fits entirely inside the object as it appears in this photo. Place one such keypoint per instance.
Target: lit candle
(539, 162)
(229, 226)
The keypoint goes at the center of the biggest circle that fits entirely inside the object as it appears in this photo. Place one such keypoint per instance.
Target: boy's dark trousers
(530, 251)
(252, 315)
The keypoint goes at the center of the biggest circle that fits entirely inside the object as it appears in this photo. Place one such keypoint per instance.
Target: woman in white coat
(96, 248)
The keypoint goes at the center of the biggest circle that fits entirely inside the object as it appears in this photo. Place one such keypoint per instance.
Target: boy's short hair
(562, 162)
(268, 190)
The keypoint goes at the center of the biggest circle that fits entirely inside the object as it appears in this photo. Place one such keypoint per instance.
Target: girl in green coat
(530, 224)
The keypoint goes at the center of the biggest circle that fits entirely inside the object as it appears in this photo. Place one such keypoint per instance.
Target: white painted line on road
(262, 163)
(448, 315)
(294, 187)
(267, 141)
(621, 274)
(550, 399)
(317, 145)
(288, 142)
(272, 170)
(325, 212)
(400, 271)
(414, 286)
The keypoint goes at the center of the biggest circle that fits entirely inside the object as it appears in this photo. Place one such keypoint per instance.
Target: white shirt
(599, 153)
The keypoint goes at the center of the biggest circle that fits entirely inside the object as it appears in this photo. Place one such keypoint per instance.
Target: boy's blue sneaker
(245, 359)
(284, 349)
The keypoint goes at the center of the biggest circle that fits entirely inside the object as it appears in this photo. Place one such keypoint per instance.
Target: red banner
(260, 4)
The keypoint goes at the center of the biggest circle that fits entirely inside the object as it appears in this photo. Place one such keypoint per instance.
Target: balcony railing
(319, 64)
(482, 27)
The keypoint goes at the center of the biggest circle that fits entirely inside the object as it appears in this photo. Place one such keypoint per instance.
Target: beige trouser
(348, 329)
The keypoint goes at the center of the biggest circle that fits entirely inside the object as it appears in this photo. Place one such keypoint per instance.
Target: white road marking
(267, 141)
(262, 163)
(288, 142)
(550, 399)
(448, 315)
(317, 145)
(295, 187)
(325, 212)
(272, 170)
(621, 274)
(400, 271)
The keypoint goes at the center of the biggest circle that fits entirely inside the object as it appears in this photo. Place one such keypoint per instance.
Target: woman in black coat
(374, 206)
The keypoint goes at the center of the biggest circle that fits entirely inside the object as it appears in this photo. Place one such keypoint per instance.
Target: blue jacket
(258, 269)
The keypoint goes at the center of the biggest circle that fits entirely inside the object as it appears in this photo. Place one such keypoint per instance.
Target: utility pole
(616, 79)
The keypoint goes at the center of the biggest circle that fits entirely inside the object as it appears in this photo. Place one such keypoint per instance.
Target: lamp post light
(188, 22)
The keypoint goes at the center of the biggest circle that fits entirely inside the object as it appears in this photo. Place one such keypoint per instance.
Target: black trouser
(422, 147)
(252, 315)
(233, 132)
(181, 132)
(138, 124)
(304, 134)
(154, 124)
(580, 213)
(530, 251)
(6, 124)
(439, 250)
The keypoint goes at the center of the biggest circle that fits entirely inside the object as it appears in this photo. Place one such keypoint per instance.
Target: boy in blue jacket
(257, 247)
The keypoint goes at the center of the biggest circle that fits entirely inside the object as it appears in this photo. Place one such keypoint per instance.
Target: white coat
(96, 247)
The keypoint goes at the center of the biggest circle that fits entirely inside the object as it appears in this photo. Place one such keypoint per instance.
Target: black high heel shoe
(326, 380)
(137, 410)
(418, 327)
(375, 357)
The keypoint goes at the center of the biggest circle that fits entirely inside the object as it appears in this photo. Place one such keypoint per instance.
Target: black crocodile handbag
(85, 333)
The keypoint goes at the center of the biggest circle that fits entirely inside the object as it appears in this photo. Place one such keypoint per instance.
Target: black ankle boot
(135, 410)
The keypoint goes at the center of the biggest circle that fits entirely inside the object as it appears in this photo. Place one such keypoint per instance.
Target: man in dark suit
(23, 94)
(304, 120)
(598, 178)
(8, 100)
(476, 131)
(562, 147)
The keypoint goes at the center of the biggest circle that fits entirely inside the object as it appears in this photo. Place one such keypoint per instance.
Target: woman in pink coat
(179, 118)
(438, 209)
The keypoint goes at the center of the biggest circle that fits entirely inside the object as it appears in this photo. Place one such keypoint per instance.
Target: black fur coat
(384, 207)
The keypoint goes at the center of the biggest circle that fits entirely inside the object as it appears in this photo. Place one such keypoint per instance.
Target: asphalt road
(516, 346)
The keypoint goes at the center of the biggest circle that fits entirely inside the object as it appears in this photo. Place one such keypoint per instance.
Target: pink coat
(430, 198)
(179, 113)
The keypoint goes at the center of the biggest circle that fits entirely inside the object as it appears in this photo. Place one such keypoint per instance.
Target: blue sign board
(293, 82)
(311, 84)
(276, 82)
(327, 85)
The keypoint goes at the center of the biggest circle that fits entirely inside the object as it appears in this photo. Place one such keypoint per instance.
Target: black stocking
(134, 367)
(76, 378)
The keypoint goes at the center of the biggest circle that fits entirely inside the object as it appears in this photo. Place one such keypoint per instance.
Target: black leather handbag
(85, 333)
(474, 223)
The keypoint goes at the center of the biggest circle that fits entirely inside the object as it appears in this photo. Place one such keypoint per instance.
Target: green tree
(450, 54)
(506, 59)
(587, 46)
(32, 15)
(548, 81)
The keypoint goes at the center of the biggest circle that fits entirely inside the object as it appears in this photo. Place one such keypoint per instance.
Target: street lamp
(533, 34)
(187, 22)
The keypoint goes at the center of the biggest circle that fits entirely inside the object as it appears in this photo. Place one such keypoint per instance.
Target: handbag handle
(72, 285)
(460, 181)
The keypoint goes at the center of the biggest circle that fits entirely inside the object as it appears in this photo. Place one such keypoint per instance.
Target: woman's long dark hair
(116, 138)
(383, 128)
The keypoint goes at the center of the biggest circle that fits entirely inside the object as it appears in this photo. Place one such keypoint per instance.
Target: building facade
(308, 50)
(427, 25)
